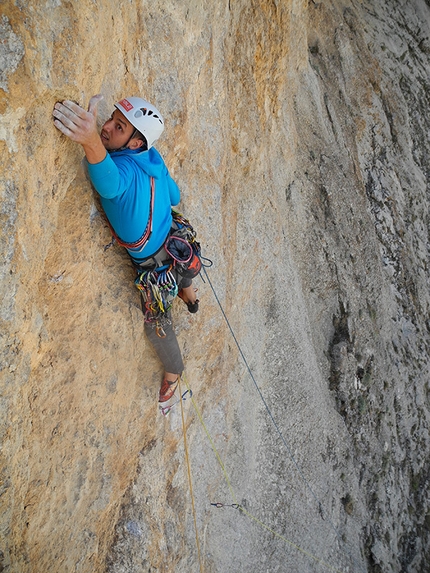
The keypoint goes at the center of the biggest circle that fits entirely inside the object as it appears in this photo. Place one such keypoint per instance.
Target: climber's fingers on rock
(75, 122)
(62, 127)
(66, 126)
(71, 110)
(65, 118)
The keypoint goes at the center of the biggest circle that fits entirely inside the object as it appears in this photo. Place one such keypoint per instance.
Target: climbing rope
(278, 430)
(236, 505)
(190, 481)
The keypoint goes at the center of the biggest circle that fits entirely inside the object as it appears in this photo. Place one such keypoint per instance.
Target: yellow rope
(189, 477)
(241, 508)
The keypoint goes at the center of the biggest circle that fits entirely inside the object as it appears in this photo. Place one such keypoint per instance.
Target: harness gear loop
(158, 289)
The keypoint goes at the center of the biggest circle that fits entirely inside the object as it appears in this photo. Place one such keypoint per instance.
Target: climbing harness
(165, 410)
(156, 281)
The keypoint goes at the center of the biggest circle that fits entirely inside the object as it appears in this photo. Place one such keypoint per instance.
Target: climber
(123, 165)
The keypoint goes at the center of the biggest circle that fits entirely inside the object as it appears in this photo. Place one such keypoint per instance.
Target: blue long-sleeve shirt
(122, 180)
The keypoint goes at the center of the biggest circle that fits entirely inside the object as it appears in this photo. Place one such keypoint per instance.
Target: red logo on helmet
(125, 104)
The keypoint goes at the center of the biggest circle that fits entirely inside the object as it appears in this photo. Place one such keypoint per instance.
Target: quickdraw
(233, 505)
(158, 289)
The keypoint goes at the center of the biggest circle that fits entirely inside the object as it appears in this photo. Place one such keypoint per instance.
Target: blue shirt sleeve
(107, 178)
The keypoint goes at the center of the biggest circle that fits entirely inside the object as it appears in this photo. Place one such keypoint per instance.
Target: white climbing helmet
(143, 116)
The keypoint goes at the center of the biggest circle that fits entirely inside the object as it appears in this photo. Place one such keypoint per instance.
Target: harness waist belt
(158, 258)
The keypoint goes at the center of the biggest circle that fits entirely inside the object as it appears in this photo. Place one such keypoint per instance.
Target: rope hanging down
(190, 481)
(236, 505)
(278, 430)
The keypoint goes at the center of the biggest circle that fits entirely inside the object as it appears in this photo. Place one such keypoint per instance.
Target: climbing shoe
(167, 389)
(166, 407)
(193, 307)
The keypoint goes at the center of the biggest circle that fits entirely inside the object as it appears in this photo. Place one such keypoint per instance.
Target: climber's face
(116, 132)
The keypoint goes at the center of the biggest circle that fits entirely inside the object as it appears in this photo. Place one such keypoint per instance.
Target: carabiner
(160, 332)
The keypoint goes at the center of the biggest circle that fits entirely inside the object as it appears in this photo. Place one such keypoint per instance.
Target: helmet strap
(128, 141)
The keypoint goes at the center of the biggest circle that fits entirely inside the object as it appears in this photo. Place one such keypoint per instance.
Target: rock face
(299, 134)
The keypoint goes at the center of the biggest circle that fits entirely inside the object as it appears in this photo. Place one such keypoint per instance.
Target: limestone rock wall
(298, 133)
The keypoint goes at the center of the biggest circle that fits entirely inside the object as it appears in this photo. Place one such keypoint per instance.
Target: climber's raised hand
(80, 126)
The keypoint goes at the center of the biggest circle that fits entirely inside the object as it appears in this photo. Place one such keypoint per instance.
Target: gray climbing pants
(166, 347)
